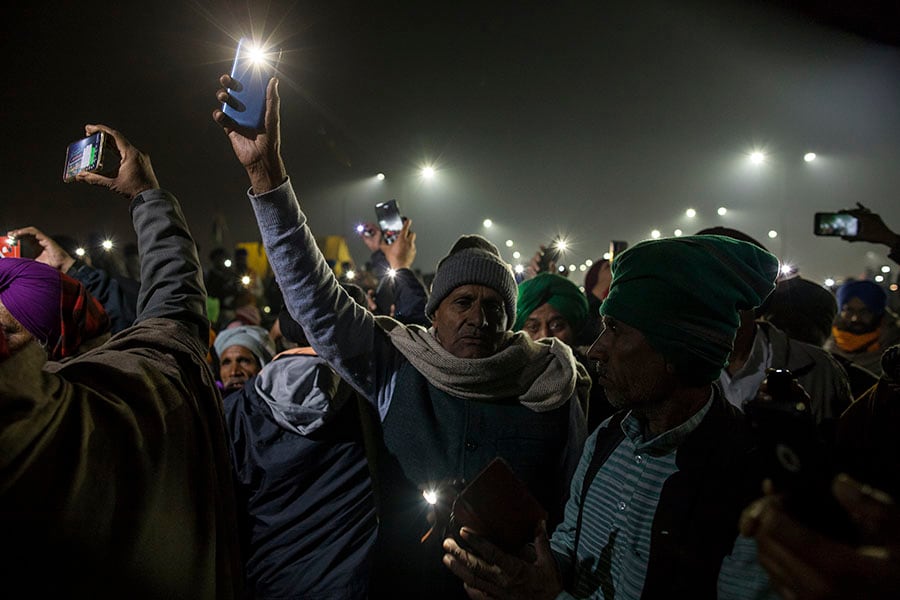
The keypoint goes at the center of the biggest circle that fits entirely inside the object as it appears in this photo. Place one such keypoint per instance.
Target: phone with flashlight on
(253, 67)
(389, 220)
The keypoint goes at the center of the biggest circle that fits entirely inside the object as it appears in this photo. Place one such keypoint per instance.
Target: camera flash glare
(430, 496)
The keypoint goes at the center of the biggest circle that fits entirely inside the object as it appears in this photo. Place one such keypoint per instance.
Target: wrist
(67, 264)
(265, 178)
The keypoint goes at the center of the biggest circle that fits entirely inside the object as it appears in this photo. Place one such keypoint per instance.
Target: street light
(690, 213)
(428, 172)
(655, 234)
(487, 223)
(773, 234)
(757, 157)
(722, 211)
(809, 156)
(380, 177)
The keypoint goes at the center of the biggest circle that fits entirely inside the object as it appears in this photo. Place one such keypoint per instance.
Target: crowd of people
(170, 432)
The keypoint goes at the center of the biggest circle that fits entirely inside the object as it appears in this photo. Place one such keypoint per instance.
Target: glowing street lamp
(809, 156)
(678, 233)
(757, 157)
(509, 243)
(380, 177)
(79, 252)
(773, 234)
(107, 245)
(655, 234)
(690, 213)
(487, 223)
(427, 172)
(722, 211)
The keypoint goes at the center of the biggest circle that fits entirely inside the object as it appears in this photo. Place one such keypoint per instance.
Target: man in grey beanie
(451, 398)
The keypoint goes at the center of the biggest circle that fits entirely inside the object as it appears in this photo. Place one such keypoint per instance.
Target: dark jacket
(308, 523)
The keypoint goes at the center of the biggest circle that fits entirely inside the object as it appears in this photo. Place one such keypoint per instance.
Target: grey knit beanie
(473, 260)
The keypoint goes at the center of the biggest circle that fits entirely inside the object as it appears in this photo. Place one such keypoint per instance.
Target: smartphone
(96, 153)
(616, 247)
(836, 223)
(252, 70)
(389, 220)
(797, 457)
(551, 255)
(9, 247)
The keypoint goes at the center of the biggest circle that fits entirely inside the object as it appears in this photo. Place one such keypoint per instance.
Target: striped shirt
(614, 547)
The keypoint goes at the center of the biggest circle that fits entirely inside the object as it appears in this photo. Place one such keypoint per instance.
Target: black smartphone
(616, 247)
(551, 255)
(96, 153)
(253, 68)
(797, 456)
(389, 220)
(836, 224)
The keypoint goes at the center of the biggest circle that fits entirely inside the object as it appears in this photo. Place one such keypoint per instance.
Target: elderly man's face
(236, 365)
(545, 321)
(633, 374)
(470, 321)
(17, 337)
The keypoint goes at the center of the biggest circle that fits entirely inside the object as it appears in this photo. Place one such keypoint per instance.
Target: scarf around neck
(542, 375)
(856, 342)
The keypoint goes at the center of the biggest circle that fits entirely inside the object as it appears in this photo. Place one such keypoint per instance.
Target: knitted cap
(684, 295)
(555, 290)
(473, 261)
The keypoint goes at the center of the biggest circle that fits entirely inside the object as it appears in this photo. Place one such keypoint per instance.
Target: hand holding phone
(253, 68)
(550, 256)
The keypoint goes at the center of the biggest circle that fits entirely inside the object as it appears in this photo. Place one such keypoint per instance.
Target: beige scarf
(542, 375)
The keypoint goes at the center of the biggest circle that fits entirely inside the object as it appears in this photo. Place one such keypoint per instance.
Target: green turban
(558, 292)
(684, 295)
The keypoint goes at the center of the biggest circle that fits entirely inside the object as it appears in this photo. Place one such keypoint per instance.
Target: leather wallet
(498, 506)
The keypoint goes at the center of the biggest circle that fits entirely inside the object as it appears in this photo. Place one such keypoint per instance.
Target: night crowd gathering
(685, 418)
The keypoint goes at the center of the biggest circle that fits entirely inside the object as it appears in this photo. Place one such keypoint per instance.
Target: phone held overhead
(836, 224)
(253, 67)
(389, 220)
(96, 153)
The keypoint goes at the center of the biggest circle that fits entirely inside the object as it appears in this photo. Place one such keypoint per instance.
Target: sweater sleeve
(341, 331)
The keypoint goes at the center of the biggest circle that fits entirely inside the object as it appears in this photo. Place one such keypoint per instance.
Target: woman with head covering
(40, 304)
(242, 352)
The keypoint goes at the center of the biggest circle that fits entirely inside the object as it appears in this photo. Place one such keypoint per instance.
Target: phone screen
(837, 224)
(83, 155)
(389, 220)
(9, 247)
(253, 67)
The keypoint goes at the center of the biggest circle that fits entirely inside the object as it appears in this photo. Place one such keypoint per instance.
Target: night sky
(597, 120)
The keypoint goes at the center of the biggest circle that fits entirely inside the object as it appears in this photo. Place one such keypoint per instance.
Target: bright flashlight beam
(430, 496)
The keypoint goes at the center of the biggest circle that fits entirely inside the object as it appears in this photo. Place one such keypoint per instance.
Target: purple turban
(56, 309)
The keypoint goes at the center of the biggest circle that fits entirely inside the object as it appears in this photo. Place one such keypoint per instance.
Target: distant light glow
(380, 177)
(757, 157)
(267, 309)
(80, 252)
(428, 172)
(561, 268)
(350, 274)
(722, 211)
(430, 496)
(107, 245)
(391, 273)
(582, 268)
(487, 223)
(572, 268)
(885, 269)
(606, 255)
(517, 255)
(562, 244)
(690, 213)
(655, 234)
(678, 233)
(227, 263)
(787, 269)
(893, 287)
(879, 278)
(809, 156)
(245, 280)
(589, 262)
(509, 243)
(519, 269)
(829, 282)
(360, 228)
(773, 234)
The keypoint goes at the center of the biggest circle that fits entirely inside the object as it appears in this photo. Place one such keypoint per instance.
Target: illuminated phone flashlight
(227, 263)
(245, 280)
(430, 496)
(79, 252)
(391, 273)
(107, 245)
(360, 228)
(257, 54)
(350, 275)
(562, 245)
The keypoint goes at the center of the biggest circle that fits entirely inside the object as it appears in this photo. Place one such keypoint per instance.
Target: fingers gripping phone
(836, 224)
(550, 255)
(96, 153)
(389, 220)
(253, 68)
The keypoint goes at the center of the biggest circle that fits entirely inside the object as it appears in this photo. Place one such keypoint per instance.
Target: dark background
(600, 120)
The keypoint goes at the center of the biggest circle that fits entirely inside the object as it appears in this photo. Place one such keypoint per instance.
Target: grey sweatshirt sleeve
(171, 277)
(341, 331)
